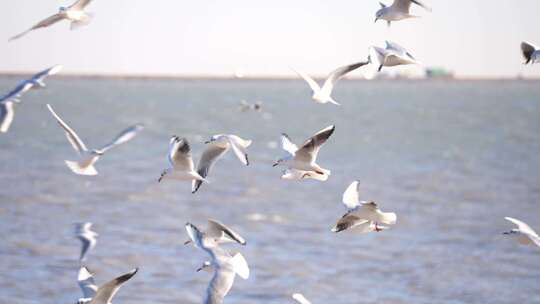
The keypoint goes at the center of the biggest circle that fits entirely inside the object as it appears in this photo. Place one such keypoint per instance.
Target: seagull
(300, 298)
(361, 215)
(399, 10)
(524, 234)
(392, 55)
(87, 285)
(88, 238)
(304, 158)
(245, 106)
(323, 95)
(221, 233)
(217, 146)
(181, 163)
(85, 165)
(74, 13)
(530, 53)
(225, 266)
(8, 101)
(106, 292)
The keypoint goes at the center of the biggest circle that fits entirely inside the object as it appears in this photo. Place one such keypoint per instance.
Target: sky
(478, 38)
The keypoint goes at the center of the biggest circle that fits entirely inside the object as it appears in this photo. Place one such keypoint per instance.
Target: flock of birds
(300, 163)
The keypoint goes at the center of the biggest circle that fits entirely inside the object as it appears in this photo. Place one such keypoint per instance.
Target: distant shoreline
(254, 78)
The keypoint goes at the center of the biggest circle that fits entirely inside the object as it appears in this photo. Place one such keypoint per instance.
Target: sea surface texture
(451, 158)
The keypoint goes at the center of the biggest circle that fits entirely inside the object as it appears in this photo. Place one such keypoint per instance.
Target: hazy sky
(216, 37)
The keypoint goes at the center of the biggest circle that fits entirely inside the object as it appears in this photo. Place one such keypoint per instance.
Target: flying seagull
(225, 266)
(305, 157)
(361, 215)
(87, 285)
(300, 299)
(180, 161)
(323, 94)
(216, 147)
(523, 233)
(399, 10)
(8, 101)
(106, 292)
(85, 165)
(392, 55)
(530, 53)
(245, 106)
(221, 233)
(88, 238)
(295, 174)
(74, 13)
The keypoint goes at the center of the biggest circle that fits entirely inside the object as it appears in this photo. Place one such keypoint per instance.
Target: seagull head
(204, 266)
(62, 9)
(277, 163)
(212, 139)
(379, 14)
(513, 231)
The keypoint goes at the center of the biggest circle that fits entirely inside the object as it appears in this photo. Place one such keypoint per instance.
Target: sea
(451, 158)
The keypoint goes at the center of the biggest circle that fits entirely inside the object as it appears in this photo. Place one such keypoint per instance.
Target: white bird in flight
(530, 53)
(323, 94)
(107, 291)
(87, 285)
(299, 298)
(87, 237)
(8, 101)
(392, 55)
(225, 266)
(361, 215)
(305, 157)
(221, 233)
(295, 174)
(399, 10)
(74, 13)
(85, 165)
(523, 233)
(180, 161)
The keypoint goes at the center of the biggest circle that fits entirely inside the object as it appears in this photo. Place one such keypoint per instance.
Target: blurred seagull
(361, 215)
(399, 10)
(225, 266)
(88, 238)
(181, 162)
(299, 298)
(74, 13)
(295, 174)
(85, 165)
(392, 55)
(305, 157)
(106, 292)
(87, 285)
(524, 234)
(323, 94)
(216, 147)
(530, 53)
(8, 101)
(221, 233)
(245, 106)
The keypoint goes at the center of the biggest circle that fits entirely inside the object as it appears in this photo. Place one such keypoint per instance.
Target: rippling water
(450, 158)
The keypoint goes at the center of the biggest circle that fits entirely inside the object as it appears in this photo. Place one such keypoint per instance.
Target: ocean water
(451, 158)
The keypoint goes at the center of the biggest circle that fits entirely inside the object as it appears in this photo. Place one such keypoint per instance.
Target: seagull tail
(78, 169)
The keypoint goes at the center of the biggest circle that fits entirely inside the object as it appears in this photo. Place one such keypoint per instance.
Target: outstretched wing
(217, 229)
(207, 161)
(43, 23)
(337, 74)
(180, 154)
(72, 137)
(7, 113)
(80, 4)
(106, 292)
(309, 150)
(351, 195)
(123, 137)
(405, 5)
(48, 72)
(523, 227)
(287, 144)
(86, 282)
(527, 50)
(298, 297)
(239, 146)
(312, 83)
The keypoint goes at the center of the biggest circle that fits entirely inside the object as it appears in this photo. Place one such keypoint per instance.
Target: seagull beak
(199, 269)
(275, 164)
(207, 142)
(376, 19)
(187, 242)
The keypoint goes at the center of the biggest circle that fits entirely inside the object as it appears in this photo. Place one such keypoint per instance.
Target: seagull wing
(287, 144)
(405, 5)
(370, 211)
(106, 292)
(527, 50)
(351, 195)
(216, 229)
(300, 298)
(312, 83)
(347, 221)
(80, 4)
(123, 137)
(72, 137)
(7, 113)
(17, 92)
(207, 161)
(50, 71)
(86, 282)
(337, 74)
(309, 150)
(180, 154)
(238, 145)
(240, 265)
(44, 23)
(88, 242)
(523, 227)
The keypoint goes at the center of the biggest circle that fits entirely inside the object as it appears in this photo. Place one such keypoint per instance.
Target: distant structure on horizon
(438, 72)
